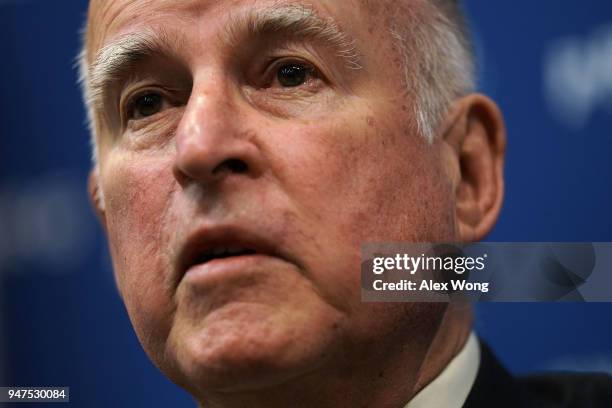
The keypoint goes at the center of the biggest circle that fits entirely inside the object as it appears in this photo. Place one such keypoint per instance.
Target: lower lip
(226, 268)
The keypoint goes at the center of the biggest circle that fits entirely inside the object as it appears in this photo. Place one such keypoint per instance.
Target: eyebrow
(299, 22)
(294, 21)
(119, 57)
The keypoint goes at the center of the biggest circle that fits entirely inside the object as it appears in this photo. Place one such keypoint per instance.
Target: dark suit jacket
(497, 388)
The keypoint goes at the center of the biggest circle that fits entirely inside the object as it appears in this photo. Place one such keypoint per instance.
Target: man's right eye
(145, 105)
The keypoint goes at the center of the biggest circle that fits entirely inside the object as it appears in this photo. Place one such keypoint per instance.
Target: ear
(475, 145)
(96, 196)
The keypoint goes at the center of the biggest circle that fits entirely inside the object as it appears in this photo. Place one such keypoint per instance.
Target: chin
(243, 347)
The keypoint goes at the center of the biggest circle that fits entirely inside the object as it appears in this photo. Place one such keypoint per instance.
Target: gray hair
(81, 63)
(439, 62)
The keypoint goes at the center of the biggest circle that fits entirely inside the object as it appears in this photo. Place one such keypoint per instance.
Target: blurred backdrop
(548, 64)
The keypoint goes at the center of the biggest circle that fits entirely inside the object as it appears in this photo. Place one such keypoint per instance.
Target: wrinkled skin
(322, 168)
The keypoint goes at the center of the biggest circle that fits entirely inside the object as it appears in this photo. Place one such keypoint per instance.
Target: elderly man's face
(246, 150)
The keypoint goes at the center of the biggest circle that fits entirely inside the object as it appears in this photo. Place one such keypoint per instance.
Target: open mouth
(220, 253)
(214, 244)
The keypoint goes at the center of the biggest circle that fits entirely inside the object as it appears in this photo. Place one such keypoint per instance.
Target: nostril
(232, 166)
(237, 166)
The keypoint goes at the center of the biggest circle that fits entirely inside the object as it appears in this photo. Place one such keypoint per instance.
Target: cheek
(360, 182)
(137, 194)
(370, 181)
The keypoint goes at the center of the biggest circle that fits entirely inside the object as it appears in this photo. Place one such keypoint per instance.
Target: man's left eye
(294, 74)
(291, 75)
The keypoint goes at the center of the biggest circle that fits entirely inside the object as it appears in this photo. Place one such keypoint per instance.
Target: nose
(212, 140)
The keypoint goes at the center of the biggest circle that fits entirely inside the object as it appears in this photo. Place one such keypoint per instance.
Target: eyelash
(128, 112)
(271, 72)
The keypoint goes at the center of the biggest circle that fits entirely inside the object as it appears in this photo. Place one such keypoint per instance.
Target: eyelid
(274, 64)
(129, 98)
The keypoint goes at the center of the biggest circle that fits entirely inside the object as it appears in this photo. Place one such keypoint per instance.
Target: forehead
(110, 18)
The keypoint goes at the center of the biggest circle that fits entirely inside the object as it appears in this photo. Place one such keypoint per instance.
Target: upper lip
(218, 241)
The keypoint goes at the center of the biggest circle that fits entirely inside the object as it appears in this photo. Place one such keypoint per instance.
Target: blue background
(548, 64)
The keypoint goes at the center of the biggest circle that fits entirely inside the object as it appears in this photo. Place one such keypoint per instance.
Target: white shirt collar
(451, 388)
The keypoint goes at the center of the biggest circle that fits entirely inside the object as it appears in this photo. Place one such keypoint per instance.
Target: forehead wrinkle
(297, 22)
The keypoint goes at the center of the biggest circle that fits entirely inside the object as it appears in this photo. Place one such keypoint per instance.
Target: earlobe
(476, 137)
(96, 196)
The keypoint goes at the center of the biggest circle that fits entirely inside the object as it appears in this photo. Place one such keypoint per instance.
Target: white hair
(82, 65)
(439, 62)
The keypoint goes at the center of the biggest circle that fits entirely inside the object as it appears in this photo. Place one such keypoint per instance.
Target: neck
(385, 374)
(454, 332)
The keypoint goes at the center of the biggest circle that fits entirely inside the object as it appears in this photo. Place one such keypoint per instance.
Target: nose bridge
(209, 139)
(206, 115)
